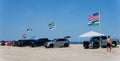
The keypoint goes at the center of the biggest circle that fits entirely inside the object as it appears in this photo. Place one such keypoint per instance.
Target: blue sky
(70, 17)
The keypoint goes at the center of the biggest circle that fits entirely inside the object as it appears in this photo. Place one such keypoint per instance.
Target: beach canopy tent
(91, 34)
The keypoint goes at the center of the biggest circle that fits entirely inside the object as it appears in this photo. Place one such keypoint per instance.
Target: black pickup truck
(99, 41)
(32, 42)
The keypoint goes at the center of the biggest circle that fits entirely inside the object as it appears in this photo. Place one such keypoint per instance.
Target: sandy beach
(72, 53)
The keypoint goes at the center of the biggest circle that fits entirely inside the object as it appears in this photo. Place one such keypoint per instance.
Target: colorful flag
(24, 36)
(94, 19)
(94, 16)
(94, 23)
(29, 29)
(51, 26)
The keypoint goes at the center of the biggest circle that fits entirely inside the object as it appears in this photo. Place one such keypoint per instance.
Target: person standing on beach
(109, 44)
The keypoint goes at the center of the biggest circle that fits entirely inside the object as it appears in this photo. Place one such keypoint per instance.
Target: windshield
(53, 40)
(94, 38)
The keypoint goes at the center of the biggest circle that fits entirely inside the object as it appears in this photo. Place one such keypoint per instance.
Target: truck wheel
(51, 46)
(19, 45)
(66, 45)
(32, 45)
(86, 44)
(114, 43)
(96, 45)
(104, 46)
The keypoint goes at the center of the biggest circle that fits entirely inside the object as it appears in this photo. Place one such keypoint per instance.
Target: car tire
(96, 45)
(86, 44)
(46, 47)
(115, 44)
(103, 46)
(51, 46)
(32, 45)
(66, 45)
(20, 45)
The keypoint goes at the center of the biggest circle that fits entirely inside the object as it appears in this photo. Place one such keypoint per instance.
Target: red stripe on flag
(91, 17)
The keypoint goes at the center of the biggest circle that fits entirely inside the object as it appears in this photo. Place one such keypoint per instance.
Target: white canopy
(91, 34)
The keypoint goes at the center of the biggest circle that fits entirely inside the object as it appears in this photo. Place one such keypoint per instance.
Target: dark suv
(39, 42)
(2, 43)
(27, 42)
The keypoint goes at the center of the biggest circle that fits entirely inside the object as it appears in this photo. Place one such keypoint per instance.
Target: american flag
(94, 16)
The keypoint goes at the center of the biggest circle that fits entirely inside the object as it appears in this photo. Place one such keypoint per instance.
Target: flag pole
(99, 22)
(100, 29)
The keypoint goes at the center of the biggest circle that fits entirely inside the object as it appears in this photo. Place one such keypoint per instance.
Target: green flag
(94, 23)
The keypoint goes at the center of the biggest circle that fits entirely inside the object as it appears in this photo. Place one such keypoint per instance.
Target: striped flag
(24, 36)
(29, 30)
(94, 19)
(51, 26)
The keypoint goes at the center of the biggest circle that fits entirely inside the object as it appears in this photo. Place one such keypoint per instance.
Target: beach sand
(72, 53)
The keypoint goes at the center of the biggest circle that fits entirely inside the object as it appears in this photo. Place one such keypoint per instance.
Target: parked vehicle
(39, 42)
(2, 43)
(26, 42)
(99, 41)
(8, 43)
(59, 42)
(14, 43)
